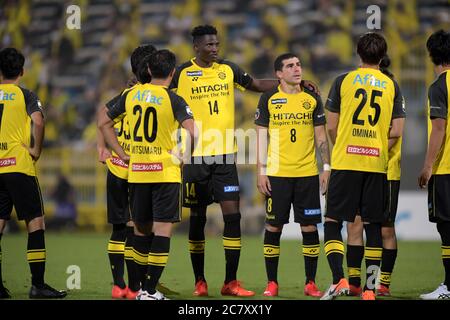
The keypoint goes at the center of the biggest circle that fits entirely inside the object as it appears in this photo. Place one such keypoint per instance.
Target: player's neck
(161, 82)
(290, 88)
(10, 81)
(370, 66)
(202, 63)
(441, 68)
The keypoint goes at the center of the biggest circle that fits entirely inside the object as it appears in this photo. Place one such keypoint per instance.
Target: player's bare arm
(436, 138)
(106, 126)
(102, 149)
(324, 151)
(332, 125)
(38, 130)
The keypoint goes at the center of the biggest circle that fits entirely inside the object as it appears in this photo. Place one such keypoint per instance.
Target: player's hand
(424, 177)
(35, 153)
(131, 82)
(324, 178)
(311, 86)
(124, 157)
(264, 186)
(103, 154)
(182, 158)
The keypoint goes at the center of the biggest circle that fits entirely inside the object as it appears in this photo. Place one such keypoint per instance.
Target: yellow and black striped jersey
(210, 94)
(115, 164)
(366, 100)
(438, 102)
(16, 106)
(154, 114)
(290, 119)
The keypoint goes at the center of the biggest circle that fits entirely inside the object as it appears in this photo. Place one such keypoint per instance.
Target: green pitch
(418, 269)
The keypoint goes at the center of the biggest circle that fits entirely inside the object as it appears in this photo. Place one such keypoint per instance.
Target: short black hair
(371, 47)
(11, 63)
(142, 74)
(200, 31)
(138, 55)
(384, 65)
(278, 64)
(438, 45)
(161, 63)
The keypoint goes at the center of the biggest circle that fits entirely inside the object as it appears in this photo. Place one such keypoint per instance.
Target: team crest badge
(306, 105)
(222, 75)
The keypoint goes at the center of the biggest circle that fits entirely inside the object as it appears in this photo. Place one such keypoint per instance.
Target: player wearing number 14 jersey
(365, 110)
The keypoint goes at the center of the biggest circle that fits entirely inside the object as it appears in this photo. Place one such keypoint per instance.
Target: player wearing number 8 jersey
(293, 119)
(365, 110)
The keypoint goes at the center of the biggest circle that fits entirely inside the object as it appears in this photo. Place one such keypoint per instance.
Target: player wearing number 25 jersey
(365, 110)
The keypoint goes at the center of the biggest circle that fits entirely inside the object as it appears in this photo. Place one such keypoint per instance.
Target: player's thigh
(307, 200)
(343, 195)
(438, 198)
(25, 194)
(166, 202)
(141, 204)
(374, 197)
(6, 203)
(117, 204)
(393, 190)
(278, 205)
(225, 182)
(196, 186)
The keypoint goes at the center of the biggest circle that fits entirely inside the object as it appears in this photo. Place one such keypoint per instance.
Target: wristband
(326, 167)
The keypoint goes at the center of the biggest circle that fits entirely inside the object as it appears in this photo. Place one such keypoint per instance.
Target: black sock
(444, 231)
(36, 257)
(334, 249)
(157, 260)
(141, 248)
(232, 244)
(372, 253)
(197, 246)
(272, 254)
(387, 265)
(133, 281)
(116, 249)
(355, 255)
(311, 250)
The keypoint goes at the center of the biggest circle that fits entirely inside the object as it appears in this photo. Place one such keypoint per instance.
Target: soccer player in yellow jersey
(154, 114)
(207, 84)
(21, 137)
(293, 118)
(365, 111)
(355, 240)
(436, 168)
(122, 240)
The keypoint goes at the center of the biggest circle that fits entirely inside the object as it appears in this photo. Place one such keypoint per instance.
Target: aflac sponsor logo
(369, 79)
(7, 96)
(146, 96)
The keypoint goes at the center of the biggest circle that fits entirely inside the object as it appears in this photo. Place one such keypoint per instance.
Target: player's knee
(308, 227)
(274, 228)
(143, 229)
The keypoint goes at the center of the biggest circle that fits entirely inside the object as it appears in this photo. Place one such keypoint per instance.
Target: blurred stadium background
(75, 71)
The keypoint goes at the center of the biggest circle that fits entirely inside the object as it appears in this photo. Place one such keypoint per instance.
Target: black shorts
(209, 179)
(159, 202)
(350, 192)
(392, 202)
(118, 206)
(439, 198)
(303, 193)
(22, 192)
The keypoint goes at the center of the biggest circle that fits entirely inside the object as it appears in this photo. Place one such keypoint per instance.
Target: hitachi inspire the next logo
(369, 79)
